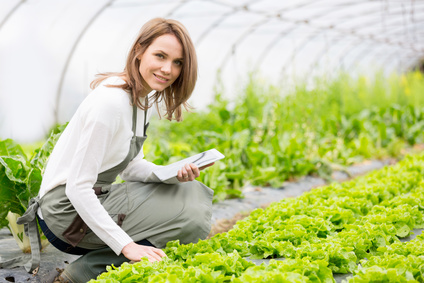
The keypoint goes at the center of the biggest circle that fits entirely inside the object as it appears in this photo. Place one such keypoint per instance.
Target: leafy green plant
(353, 227)
(269, 136)
(20, 180)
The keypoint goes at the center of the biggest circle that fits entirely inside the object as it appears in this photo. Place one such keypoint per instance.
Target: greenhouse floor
(52, 260)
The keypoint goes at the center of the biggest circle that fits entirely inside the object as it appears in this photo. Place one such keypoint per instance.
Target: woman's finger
(182, 175)
(184, 172)
(190, 174)
(195, 170)
(160, 252)
(154, 256)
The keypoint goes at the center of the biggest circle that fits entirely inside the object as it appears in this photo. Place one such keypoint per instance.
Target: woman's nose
(166, 67)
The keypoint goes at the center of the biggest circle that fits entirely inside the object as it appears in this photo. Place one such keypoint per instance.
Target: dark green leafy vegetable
(20, 180)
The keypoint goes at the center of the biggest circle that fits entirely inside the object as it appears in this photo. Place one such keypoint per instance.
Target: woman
(79, 211)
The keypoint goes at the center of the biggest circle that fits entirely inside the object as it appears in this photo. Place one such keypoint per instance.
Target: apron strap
(146, 125)
(134, 117)
(29, 220)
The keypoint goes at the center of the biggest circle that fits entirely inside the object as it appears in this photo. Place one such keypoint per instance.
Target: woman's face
(161, 63)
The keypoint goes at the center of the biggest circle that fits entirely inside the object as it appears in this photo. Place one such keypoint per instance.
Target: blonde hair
(174, 96)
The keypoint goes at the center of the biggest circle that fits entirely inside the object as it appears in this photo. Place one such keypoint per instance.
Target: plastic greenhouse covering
(50, 50)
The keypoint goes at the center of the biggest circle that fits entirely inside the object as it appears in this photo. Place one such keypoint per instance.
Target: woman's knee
(200, 220)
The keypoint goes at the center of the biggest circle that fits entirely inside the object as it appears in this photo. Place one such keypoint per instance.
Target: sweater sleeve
(141, 170)
(97, 130)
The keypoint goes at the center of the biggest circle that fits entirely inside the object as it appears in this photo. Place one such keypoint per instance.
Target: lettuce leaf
(20, 176)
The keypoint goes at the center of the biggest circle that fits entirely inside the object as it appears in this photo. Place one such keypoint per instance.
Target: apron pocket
(76, 231)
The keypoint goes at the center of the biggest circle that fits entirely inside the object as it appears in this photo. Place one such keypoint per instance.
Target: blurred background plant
(269, 138)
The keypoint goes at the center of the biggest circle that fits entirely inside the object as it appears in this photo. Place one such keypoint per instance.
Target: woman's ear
(137, 50)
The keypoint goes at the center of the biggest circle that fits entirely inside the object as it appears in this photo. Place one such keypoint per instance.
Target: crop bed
(353, 227)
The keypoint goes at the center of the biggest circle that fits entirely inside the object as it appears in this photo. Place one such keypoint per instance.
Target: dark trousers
(68, 248)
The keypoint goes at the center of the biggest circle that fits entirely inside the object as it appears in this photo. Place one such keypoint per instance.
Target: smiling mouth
(160, 78)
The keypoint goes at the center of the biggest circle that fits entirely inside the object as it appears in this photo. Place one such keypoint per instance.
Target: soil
(224, 225)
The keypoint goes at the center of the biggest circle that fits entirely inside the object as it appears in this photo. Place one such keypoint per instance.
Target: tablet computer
(207, 157)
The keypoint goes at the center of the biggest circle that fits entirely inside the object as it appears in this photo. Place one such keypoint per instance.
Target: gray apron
(157, 212)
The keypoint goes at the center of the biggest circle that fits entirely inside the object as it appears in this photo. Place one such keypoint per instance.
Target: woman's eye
(160, 56)
(179, 63)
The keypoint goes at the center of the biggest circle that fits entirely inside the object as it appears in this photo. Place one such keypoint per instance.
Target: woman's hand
(135, 252)
(189, 172)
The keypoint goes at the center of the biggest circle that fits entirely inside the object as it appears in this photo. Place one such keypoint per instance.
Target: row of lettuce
(353, 227)
(269, 136)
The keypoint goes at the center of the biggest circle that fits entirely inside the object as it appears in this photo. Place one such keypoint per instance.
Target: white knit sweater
(96, 139)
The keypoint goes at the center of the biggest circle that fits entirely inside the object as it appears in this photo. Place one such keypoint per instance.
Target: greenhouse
(317, 108)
